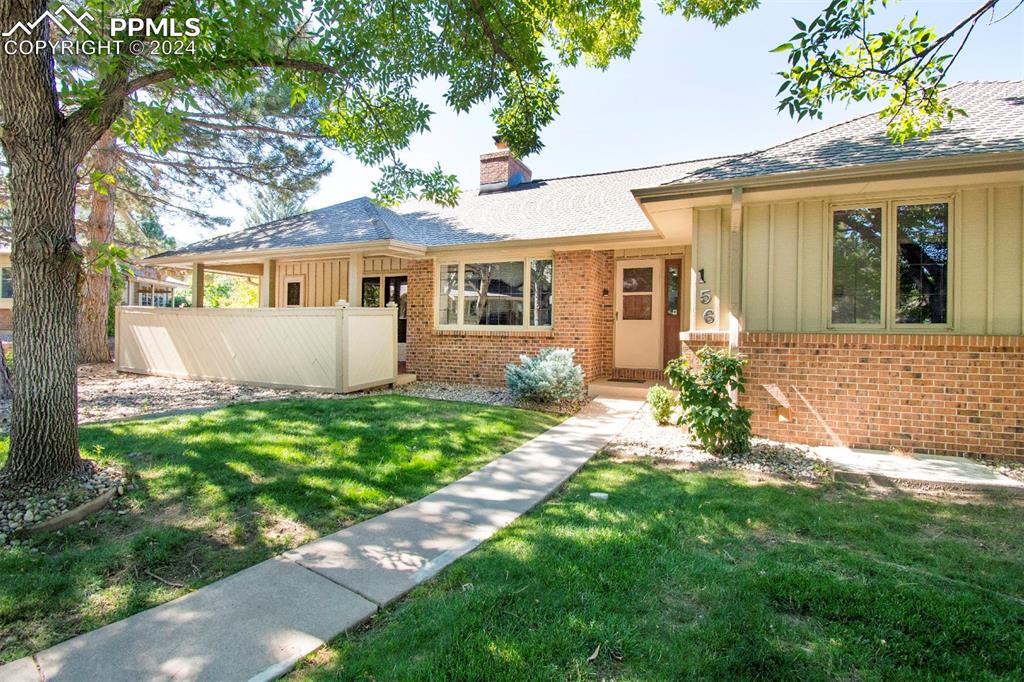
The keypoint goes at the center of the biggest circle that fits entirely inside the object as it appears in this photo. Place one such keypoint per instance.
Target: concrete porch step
(619, 388)
(404, 378)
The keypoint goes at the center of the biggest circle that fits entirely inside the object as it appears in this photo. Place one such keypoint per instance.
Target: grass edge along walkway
(259, 622)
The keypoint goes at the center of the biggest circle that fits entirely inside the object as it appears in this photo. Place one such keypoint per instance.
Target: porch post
(736, 269)
(268, 284)
(355, 266)
(198, 281)
(131, 291)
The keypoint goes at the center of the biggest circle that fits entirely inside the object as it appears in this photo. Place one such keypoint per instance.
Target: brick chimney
(499, 170)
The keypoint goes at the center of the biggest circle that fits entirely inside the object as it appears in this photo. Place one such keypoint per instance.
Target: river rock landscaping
(643, 437)
(482, 395)
(24, 506)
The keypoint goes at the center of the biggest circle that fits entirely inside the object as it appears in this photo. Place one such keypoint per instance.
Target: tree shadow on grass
(216, 492)
(700, 575)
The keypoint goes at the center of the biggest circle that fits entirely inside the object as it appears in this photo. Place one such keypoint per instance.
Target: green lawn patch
(698, 575)
(217, 491)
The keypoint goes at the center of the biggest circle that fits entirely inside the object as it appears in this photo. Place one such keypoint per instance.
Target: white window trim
(889, 258)
(301, 280)
(460, 308)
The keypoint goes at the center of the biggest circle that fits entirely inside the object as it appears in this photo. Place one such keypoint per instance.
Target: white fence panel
(325, 349)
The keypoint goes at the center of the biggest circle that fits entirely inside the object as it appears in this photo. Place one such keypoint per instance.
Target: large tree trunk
(99, 229)
(45, 258)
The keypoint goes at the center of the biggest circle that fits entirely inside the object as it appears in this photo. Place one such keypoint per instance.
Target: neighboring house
(6, 289)
(151, 286)
(876, 289)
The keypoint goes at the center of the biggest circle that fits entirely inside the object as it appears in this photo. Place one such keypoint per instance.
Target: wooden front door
(639, 305)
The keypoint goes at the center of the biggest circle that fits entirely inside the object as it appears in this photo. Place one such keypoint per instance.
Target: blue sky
(689, 91)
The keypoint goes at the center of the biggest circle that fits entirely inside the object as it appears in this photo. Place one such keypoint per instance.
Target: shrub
(720, 425)
(660, 400)
(550, 377)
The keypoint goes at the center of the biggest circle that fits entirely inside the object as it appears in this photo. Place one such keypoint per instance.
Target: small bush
(660, 400)
(721, 426)
(550, 377)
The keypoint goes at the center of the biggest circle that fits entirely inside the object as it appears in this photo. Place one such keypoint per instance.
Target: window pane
(493, 293)
(922, 255)
(673, 290)
(637, 279)
(541, 291)
(293, 293)
(448, 295)
(637, 307)
(6, 285)
(857, 266)
(371, 292)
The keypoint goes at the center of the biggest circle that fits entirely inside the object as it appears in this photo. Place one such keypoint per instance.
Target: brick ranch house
(876, 289)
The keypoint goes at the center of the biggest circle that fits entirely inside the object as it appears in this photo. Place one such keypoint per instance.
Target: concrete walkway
(256, 624)
(922, 471)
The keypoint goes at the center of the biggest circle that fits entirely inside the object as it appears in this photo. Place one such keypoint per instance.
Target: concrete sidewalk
(256, 624)
(916, 471)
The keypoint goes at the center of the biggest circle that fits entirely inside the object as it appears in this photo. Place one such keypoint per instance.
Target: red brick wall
(5, 320)
(499, 166)
(926, 393)
(583, 319)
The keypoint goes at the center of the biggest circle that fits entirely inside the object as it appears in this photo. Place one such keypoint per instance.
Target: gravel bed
(105, 394)
(483, 395)
(467, 393)
(29, 505)
(1014, 470)
(643, 437)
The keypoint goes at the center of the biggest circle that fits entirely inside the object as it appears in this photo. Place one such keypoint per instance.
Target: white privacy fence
(324, 349)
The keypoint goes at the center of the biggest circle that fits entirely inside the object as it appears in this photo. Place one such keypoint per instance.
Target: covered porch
(331, 320)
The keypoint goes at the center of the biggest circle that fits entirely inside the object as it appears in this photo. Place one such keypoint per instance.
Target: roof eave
(938, 165)
(388, 247)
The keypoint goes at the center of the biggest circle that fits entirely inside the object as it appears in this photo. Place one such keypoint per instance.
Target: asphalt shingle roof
(994, 123)
(602, 203)
(557, 207)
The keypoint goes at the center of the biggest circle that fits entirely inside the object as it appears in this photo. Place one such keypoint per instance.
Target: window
(6, 283)
(857, 266)
(493, 293)
(448, 312)
(293, 292)
(542, 287)
(637, 293)
(890, 264)
(637, 280)
(922, 253)
(371, 292)
(672, 297)
(507, 294)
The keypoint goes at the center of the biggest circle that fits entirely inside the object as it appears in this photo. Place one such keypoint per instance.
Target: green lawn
(221, 490)
(696, 575)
